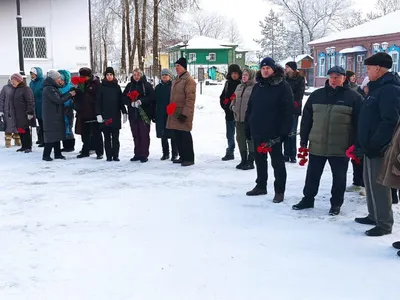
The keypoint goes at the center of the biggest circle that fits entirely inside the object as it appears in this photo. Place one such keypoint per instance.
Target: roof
(204, 42)
(388, 24)
(298, 59)
(353, 50)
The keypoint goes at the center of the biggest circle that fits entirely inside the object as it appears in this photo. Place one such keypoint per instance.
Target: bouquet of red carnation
(303, 154)
(133, 95)
(21, 130)
(108, 122)
(350, 154)
(171, 108)
(264, 148)
(79, 82)
(230, 99)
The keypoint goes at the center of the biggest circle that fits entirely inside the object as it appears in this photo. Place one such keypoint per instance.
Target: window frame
(34, 37)
(322, 67)
(215, 56)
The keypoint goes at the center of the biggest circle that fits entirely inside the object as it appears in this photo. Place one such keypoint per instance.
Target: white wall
(67, 27)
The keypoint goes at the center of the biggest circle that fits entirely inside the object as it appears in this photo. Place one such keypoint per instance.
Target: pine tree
(274, 39)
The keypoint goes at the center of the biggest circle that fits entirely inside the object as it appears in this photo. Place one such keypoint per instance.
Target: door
(350, 62)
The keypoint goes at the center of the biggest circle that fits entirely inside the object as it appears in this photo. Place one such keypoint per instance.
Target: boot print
(17, 139)
(8, 137)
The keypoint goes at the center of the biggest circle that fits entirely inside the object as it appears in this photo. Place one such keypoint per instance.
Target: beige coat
(391, 162)
(239, 105)
(183, 93)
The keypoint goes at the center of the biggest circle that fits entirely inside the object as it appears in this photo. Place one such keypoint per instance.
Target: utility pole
(19, 32)
(90, 35)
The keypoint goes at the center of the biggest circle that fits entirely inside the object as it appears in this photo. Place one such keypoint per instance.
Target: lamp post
(19, 32)
(377, 47)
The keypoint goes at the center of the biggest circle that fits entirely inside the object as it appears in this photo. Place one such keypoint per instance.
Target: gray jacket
(6, 107)
(243, 92)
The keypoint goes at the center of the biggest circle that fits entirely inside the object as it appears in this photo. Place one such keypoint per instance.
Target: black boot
(243, 155)
(303, 204)
(395, 198)
(165, 157)
(257, 191)
(250, 162)
(228, 156)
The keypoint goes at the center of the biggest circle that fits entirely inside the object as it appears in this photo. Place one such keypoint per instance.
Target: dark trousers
(230, 136)
(165, 147)
(339, 166)
(184, 142)
(141, 137)
(26, 139)
(39, 131)
(69, 144)
(358, 177)
(290, 147)
(91, 134)
(49, 146)
(395, 195)
(278, 164)
(111, 142)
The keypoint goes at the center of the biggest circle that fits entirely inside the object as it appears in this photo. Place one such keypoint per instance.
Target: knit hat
(182, 62)
(166, 72)
(53, 74)
(268, 61)
(85, 72)
(292, 65)
(337, 70)
(17, 77)
(109, 70)
(33, 71)
(349, 74)
(365, 82)
(381, 59)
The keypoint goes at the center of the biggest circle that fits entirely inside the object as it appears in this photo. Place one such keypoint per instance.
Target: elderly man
(183, 94)
(378, 119)
(329, 126)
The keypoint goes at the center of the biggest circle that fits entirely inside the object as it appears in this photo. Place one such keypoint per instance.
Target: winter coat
(53, 112)
(85, 101)
(110, 104)
(183, 93)
(353, 86)
(298, 84)
(391, 161)
(229, 89)
(361, 92)
(24, 105)
(68, 106)
(379, 115)
(270, 110)
(36, 86)
(330, 119)
(146, 96)
(7, 107)
(243, 92)
(163, 98)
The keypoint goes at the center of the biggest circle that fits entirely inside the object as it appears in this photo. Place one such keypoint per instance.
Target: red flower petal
(75, 80)
(21, 131)
(296, 104)
(260, 149)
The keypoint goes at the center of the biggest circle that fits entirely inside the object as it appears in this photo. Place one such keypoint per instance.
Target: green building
(203, 52)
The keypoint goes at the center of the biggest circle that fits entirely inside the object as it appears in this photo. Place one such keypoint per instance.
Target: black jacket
(228, 91)
(298, 84)
(163, 98)
(85, 102)
(146, 96)
(379, 115)
(109, 103)
(269, 113)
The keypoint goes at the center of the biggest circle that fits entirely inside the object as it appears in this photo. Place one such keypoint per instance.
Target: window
(192, 56)
(343, 61)
(34, 42)
(322, 72)
(213, 56)
(332, 60)
(395, 58)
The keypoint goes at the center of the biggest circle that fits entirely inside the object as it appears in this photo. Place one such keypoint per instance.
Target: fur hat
(381, 59)
(109, 70)
(268, 61)
(182, 62)
(292, 65)
(17, 77)
(166, 72)
(85, 72)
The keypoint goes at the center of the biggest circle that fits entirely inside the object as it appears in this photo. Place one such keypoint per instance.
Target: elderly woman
(7, 113)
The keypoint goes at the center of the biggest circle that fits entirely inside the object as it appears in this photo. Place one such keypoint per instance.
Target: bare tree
(387, 6)
(232, 33)
(208, 24)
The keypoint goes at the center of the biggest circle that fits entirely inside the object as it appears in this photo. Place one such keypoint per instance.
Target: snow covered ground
(95, 230)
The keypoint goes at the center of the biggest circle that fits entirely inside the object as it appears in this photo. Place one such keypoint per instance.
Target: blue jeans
(230, 136)
(291, 143)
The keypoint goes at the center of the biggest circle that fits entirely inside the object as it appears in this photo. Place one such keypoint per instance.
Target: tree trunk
(91, 36)
(123, 51)
(105, 52)
(156, 59)
(137, 42)
(143, 41)
(131, 52)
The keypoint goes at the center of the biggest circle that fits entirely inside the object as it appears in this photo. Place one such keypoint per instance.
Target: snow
(353, 50)
(388, 24)
(204, 42)
(297, 59)
(95, 230)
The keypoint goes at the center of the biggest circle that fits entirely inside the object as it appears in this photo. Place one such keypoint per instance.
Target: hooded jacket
(229, 89)
(36, 86)
(298, 84)
(243, 92)
(7, 107)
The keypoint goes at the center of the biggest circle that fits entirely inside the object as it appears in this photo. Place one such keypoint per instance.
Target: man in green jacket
(329, 126)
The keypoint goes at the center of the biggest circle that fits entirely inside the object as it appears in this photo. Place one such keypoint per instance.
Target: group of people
(98, 109)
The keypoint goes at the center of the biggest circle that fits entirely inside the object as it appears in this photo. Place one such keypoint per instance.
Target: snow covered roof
(353, 50)
(388, 24)
(290, 58)
(204, 42)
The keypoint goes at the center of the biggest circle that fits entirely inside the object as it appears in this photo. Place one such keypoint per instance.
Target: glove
(124, 118)
(30, 117)
(1, 114)
(182, 118)
(303, 144)
(100, 119)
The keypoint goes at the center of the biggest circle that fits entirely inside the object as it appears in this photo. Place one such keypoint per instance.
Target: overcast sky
(248, 13)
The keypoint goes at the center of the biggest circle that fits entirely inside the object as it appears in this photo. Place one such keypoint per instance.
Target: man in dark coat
(141, 112)
(298, 84)
(233, 79)
(109, 107)
(85, 105)
(378, 119)
(53, 115)
(329, 125)
(269, 120)
(24, 108)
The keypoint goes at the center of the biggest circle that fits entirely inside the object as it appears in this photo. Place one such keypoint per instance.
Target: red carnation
(350, 154)
(171, 108)
(296, 104)
(226, 101)
(76, 80)
(82, 80)
(21, 131)
(233, 97)
(108, 122)
(133, 95)
(260, 149)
